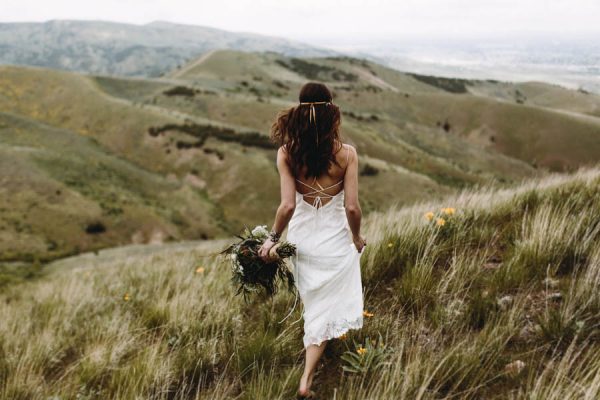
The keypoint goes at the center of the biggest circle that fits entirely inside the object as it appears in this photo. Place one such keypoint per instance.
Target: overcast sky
(329, 19)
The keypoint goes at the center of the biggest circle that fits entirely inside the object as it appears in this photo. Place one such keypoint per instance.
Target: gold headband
(313, 115)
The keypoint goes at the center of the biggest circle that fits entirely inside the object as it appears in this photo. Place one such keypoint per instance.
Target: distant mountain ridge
(112, 48)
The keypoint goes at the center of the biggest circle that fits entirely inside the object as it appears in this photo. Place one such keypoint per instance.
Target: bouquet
(253, 274)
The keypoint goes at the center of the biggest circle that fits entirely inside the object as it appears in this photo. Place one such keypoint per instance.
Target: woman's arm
(286, 208)
(351, 203)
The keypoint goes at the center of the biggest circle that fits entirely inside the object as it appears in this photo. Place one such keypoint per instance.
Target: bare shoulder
(282, 152)
(282, 157)
(352, 151)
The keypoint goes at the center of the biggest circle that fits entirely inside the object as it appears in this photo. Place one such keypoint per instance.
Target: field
(121, 183)
(93, 161)
(494, 296)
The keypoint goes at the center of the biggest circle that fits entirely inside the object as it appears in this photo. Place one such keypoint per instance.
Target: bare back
(327, 185)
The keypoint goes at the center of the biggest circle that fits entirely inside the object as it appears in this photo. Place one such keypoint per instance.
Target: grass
(69, 184)
(468, 309)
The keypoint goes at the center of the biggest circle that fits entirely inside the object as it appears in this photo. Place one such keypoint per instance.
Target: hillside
(105, 47)
(62, 193)
(200, 135)
(499, 302)
(542, 95)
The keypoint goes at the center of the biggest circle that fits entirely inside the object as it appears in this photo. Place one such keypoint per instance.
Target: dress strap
(347, 155)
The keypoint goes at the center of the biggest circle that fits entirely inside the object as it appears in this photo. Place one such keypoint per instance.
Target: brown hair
(309, 142)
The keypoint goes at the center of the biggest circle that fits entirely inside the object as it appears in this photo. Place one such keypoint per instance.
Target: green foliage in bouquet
(250, 273)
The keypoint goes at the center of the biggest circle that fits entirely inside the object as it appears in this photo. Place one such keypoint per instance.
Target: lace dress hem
(333, 330)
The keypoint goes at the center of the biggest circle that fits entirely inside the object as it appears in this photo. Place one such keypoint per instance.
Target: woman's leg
(313, 354)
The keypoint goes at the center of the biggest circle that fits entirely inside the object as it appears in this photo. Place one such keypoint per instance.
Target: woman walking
(320, 207)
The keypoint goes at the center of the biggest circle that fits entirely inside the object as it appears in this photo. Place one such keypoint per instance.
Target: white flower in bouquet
(238, 268)
(260, 231)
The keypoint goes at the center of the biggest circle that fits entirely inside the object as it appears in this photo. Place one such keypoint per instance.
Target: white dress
(326, 267)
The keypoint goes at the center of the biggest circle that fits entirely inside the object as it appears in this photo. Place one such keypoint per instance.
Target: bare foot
(305, 383)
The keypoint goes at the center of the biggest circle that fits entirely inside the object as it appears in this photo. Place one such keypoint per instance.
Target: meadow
(98, 161)
(489, 293)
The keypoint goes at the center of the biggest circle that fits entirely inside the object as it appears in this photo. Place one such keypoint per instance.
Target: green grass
(455, 307)
(133, 89)
(540, 94)
(66, 182)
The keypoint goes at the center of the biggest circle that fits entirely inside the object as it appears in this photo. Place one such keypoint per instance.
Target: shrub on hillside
(452, 85)
(202, 132)
(317, 71)
(369, 170)
(180, 91)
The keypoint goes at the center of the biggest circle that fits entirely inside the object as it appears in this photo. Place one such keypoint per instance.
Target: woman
(319, 200)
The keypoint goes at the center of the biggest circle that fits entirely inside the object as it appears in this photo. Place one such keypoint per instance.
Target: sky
(322, 21)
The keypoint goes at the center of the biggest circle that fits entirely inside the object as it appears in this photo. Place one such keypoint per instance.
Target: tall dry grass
(499, 302)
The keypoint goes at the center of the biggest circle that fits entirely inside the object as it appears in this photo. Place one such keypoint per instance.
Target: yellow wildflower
(429, 216)
(126, 297)
(200, 270)
(361, 350)
(367, 314)
(440, 222)
(390, 244)
(449, 210)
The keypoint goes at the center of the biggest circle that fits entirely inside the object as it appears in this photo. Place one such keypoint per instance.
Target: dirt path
(193, 64)
(375, 80)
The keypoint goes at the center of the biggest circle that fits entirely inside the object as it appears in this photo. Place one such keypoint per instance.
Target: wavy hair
(309, 141)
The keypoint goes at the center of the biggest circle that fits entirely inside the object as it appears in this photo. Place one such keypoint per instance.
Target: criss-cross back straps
(317, 194)
(321, 188)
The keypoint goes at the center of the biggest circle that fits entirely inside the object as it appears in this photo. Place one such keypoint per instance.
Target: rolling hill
(62, 193)
(126, 49)
(188, 153)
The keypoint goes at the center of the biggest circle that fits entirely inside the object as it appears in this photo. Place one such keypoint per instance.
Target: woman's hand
(359, 242)
(263, 252)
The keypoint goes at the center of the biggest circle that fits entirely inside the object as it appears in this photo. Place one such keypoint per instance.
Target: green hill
(63, 193)
(499, 302)
(540, 94)
(188, 153)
